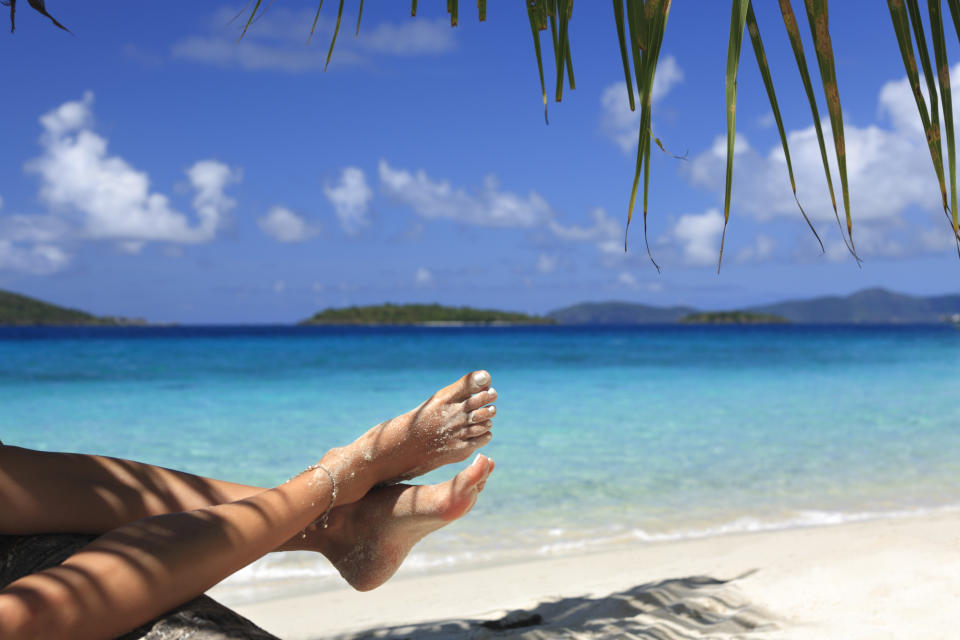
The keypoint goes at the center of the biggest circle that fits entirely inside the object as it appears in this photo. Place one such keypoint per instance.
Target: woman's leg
(43, 492)
(143, 568)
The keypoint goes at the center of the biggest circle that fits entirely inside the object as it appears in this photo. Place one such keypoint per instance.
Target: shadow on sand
(675, 609)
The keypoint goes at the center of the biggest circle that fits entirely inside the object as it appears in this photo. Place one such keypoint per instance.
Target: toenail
(481, 377)
(492, 391)
(492, 409)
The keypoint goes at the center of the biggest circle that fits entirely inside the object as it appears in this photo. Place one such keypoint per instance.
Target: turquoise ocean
(605, 436)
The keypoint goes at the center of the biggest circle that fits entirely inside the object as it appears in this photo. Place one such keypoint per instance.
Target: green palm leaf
(943, 76)
(336, 30)
(738, 18)
(621, 37)
(648, 23)
(796, 43)
(533, 14)
(902, 29)
(820, 31)
(313, 27)
(253, 13)
(754, 30)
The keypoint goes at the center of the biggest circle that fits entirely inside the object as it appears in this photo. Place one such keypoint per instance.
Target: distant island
(20, 311)
(421, 314)
(733, 317)
(870, 306)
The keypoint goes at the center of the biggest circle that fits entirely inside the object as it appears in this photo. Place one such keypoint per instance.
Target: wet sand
(897, 578)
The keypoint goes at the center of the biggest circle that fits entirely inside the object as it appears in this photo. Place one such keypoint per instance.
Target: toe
(479, 441)
(473, 474)
(478, 429)
(482, 415)
(477, 381)
(479, 399)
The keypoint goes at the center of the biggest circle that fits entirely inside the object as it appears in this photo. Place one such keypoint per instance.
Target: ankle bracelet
(322, 520)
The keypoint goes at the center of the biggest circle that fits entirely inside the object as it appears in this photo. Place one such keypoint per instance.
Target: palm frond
(622, 39)
(535, 28)
(796, 43)
(902, 28)
(820, 32)
(640, 27)
(754, 30)
(738, 18)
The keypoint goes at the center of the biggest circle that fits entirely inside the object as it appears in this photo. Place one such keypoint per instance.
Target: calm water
(604, 435)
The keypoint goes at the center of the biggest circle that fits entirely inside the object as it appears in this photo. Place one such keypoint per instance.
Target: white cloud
(277, 41)
(351, 198)
(93, 195)
(39, 259)
(617, 121)
(421, 36)
(112, 199)
(628, 280)
(546, 263)
(489, 206)
(423, 277)
(761, 249)
(699, 236)
(283, 225)
(605, 232)
(889, 171)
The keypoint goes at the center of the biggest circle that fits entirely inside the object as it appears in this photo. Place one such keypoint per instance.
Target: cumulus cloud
(617, 121)
(351, 198)
(699, 236)
(605, 232)
(93, 195)
(888, 166)
(283, 225)
(112, 199)
(38, 259)
(628, 280)
(423, 277)
(760, 249)
(275, 42)
(488, 206)
(546, 263)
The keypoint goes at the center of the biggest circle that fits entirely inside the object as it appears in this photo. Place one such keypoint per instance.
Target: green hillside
(869, 306)
(19, 310)
(413, 314)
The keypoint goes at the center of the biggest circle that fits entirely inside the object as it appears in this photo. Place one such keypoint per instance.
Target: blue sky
(152, 167)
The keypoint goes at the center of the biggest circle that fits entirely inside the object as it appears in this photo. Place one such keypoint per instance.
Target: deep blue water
(603, 435)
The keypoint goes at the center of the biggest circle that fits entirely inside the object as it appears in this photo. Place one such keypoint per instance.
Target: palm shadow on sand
(674, 609)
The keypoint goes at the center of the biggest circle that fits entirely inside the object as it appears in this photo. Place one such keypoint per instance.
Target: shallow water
(603, 435)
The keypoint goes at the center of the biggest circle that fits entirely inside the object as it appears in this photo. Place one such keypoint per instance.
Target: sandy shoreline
(895, 578)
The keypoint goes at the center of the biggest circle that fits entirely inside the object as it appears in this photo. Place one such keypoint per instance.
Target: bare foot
(448, 427)
(367, 540)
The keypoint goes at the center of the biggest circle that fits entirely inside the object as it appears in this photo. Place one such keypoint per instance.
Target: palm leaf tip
(40, 7)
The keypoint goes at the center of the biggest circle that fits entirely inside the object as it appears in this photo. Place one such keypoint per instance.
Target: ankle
(351, 471)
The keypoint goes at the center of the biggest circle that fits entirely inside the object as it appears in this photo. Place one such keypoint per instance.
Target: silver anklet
(322, 520)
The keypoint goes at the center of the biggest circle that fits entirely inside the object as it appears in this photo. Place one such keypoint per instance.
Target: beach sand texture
(894, 578)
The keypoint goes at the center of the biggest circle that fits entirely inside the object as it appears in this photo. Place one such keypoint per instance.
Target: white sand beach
(894, 578)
